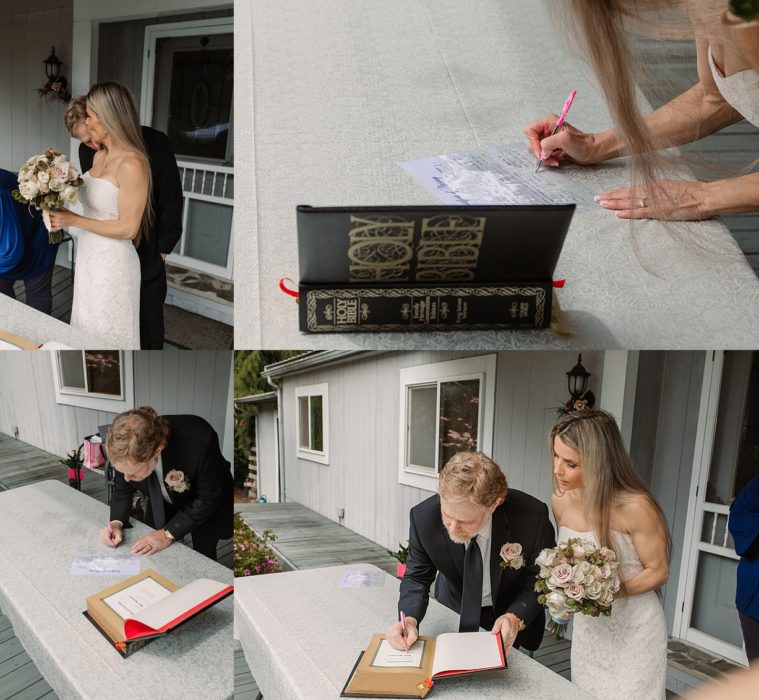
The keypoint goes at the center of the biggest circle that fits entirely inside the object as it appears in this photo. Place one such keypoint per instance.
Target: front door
(727, 451)
(187, 94)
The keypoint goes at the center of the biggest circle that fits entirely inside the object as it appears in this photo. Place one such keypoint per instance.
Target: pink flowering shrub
(252, 554)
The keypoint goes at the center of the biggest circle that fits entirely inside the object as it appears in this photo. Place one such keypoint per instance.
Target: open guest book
(382, 671)
(146, 606)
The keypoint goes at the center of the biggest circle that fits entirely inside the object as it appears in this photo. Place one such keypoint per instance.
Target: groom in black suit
(458, 536)
(188, 482)
(167, 221)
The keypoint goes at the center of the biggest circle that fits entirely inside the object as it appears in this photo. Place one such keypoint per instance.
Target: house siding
(362, 474)
(170, 381)
(30, 123)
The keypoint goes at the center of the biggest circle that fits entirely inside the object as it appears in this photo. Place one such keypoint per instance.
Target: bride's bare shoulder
(131, 168)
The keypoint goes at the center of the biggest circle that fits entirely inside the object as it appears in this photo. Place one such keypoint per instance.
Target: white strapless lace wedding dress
(107, 276)
(625, 655)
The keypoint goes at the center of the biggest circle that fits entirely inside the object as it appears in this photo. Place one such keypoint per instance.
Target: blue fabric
(744, 528)
(24, 248)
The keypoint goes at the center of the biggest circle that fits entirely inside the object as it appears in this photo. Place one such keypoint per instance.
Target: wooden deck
(22, 464)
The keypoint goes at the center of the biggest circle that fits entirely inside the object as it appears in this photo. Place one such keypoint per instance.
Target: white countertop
(328, 103)
(302, 634)
(42, 526)
(24, 321)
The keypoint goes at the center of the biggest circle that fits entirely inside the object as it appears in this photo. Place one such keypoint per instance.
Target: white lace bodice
(107, 275)
(740, 90)
(99, 198)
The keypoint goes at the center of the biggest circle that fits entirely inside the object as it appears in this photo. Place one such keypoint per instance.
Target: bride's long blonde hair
(116, 108)
(608, 473)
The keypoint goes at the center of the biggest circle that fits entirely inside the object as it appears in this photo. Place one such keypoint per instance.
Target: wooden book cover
(149, 605)
(384, 672)
(11, 341)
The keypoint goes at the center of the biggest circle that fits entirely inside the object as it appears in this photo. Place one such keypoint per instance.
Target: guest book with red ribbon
(147, 606)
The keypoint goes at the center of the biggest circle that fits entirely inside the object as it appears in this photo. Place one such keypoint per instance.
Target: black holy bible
(428, 267)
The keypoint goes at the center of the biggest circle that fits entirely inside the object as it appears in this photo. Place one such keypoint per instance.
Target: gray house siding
(29, 123)
(170, 381)
(667, 404)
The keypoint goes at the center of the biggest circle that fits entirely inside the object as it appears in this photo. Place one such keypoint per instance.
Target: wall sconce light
(577, 384)
(56, 83)
(52, 66)
(577, 379)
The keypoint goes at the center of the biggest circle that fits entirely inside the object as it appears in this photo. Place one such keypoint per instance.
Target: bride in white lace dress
(115, 214)
(599, 496)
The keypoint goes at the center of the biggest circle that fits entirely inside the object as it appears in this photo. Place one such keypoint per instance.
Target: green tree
(248, 381)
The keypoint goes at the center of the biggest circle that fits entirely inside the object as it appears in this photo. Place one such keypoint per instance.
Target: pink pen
(403, 627)
(560, 122)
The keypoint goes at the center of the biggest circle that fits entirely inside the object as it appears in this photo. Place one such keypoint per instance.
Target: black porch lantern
(52, 66)
(577, 379)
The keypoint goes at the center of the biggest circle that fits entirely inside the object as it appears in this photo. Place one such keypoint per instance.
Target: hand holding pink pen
(111, 536)
(560, 122)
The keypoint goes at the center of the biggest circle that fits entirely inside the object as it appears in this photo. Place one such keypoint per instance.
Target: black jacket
(193, 448)
(520, 518)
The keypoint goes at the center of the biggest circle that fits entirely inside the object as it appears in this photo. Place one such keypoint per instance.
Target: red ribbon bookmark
(291, 292)
(559, 284)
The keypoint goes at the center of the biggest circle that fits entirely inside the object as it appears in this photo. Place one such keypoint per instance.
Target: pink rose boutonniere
(511, 553)
(176, 481)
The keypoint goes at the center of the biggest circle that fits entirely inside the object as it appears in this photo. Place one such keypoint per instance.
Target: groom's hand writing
(395, 634)
(112, 537)
(151, 543)
(507, 626)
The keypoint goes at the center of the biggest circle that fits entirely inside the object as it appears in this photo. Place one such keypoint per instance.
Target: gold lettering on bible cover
(449, 248)
(384, 249)
(381, 248)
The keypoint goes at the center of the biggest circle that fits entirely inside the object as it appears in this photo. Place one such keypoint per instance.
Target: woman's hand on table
(395, 634)
(151, 543)
(670, 200)
(112, 537)
(568, 143)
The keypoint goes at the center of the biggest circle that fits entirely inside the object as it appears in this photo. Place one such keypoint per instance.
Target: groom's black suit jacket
(193, 448)
(520, 518)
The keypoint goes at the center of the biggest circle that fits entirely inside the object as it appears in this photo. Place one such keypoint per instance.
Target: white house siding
(664, 431)
(362, 475)
(29, 123)
(266, 451)
(172, 382)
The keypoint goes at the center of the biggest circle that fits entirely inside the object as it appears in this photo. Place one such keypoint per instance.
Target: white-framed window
(99, 379)
(445, 408)
(313, 422)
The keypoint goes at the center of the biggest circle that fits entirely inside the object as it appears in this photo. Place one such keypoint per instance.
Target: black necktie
(471, 599)
(156, 501)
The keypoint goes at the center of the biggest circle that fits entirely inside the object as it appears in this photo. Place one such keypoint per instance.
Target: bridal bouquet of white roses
(576, 577)
(48, 181)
